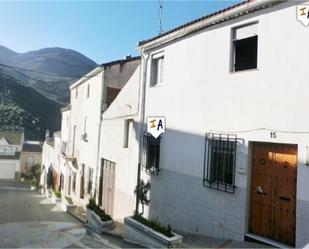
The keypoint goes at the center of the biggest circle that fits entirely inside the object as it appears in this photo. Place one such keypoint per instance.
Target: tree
(141, 192)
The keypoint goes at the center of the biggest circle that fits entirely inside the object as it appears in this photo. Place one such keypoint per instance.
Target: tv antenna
(161, 16)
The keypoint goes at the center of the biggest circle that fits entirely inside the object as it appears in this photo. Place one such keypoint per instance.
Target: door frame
(249, 182)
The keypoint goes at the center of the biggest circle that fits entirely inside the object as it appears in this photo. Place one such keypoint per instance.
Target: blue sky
(101, 30)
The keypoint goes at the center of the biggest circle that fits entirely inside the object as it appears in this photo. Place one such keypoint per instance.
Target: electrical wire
(262, 129)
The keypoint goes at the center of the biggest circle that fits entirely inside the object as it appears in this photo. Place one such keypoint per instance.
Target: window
(128, 125)
(76, 92)
(88, 91)
(90, 180)
(245, 47)
(30, 161)
(74, 182)
(157, 67)
(84, 135)
(219, 163)
(151, 154)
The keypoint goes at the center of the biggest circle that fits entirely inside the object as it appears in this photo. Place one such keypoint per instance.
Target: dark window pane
(246, 53)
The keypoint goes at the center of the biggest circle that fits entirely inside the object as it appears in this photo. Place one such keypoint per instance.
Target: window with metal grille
(151, 154)
(219, 162)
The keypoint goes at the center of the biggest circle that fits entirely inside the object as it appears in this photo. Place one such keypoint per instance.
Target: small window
(88, 91)
(151, 154)
(76, 92)
(90, 180)
(245, 47)
(128, 125)
(30, 161)
(74, 182)
(157, 68)
(85, 134)
(219, 164)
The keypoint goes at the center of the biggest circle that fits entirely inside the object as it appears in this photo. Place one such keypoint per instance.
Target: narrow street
(29, 220)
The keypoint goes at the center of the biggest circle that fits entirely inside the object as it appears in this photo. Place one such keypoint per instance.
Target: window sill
(244, 71)
(157, 85)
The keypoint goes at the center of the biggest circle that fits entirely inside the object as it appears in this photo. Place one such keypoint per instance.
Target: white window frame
(128, 125)
(233, 52)
(158, 78)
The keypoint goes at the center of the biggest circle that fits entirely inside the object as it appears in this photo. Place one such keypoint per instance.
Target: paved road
(29, 220)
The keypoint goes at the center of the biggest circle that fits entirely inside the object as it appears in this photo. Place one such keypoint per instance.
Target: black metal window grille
(220, 161)
(151, 154)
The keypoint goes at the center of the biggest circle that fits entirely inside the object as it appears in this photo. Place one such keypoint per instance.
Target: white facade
(10, 148)
(199, 94)
(119, 144)
(86, 107)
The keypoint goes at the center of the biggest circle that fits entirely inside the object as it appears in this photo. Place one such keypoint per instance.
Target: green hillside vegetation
(50, 70)
(21, 105)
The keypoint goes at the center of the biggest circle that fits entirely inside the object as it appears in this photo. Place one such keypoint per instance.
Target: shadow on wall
(177, 195)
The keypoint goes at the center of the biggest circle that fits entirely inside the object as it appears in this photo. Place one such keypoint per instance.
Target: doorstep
(266, 241)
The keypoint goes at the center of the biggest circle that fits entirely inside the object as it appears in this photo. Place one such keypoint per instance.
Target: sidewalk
(189, 240)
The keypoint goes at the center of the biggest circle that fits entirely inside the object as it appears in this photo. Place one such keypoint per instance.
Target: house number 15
(273, 134)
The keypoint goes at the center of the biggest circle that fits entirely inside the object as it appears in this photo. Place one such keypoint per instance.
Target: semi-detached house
(234, 89)
(90, 97)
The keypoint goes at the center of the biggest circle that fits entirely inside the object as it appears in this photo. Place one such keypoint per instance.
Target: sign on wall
(156, 126)
(303, 14)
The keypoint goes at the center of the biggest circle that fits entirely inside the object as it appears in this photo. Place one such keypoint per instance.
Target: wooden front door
(108, 186)
(273, 191)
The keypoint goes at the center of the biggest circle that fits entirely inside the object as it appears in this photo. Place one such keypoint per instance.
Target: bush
(57, 193)
(69, 200)
(96, 208)
(33, 182)
(155, 225)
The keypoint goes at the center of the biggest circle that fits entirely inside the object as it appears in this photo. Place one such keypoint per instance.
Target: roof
(126, 59)
(13, 157)
(211, 15)
(13, 137)
(100, 68)
(32, 147)
(65, 108)
(50, 141)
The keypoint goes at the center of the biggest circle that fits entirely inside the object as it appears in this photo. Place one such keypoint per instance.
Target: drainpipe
(99, 136)
(142, 119)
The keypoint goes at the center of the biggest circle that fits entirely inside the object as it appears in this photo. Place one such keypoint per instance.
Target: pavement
(28, 220)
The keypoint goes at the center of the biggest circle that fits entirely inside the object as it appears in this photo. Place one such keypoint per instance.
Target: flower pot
(95, 222)
(138, 233)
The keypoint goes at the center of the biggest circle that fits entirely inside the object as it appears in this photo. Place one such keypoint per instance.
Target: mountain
(50, 70)
(21, 105)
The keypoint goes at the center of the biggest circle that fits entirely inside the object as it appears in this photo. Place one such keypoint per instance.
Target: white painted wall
(125, 106)
(81, 107)
(201, 95)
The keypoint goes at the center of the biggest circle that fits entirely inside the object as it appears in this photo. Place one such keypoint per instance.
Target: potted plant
(56, 196)
(22, 177)
(67, 203)
(33, 184)
(148, 233)
(97, 218)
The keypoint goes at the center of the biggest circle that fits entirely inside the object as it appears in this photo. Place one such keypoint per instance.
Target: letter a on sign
(155, 126)
(303, 14)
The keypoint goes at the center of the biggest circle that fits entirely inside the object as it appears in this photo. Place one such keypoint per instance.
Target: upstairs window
(88, 91)
(219, 163)
(76, 92)
(245, 47)
(128, 127)
(151, 158)
(157, 68)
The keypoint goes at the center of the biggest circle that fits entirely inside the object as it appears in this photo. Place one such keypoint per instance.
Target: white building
(90, 96)
(11, 143)
(119, 151)
(234, 88)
